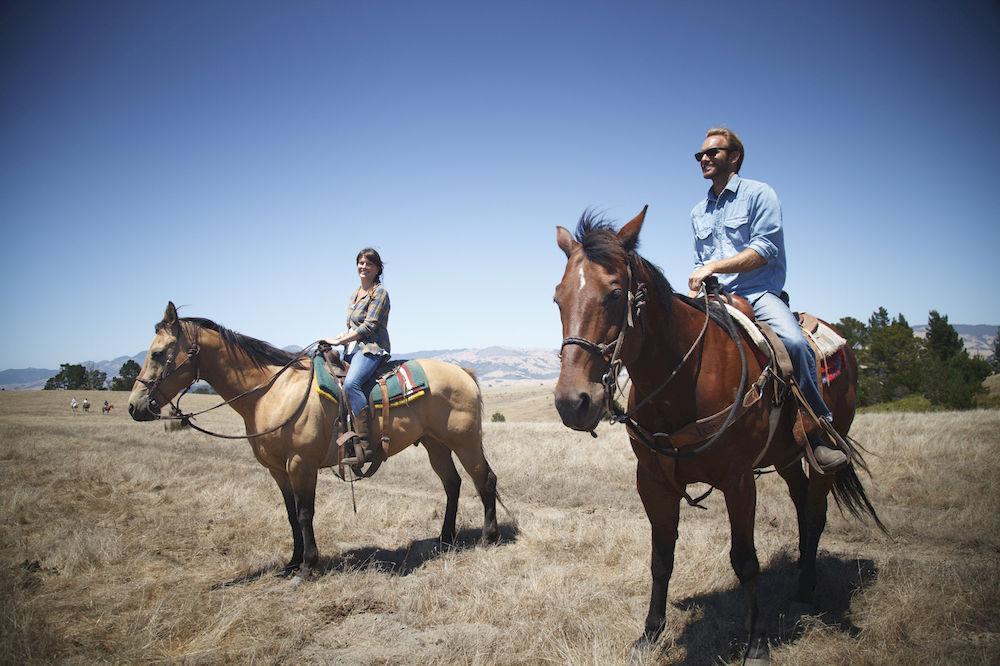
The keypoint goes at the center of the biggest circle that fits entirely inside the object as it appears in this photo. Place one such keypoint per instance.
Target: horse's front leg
(662, 505)
(303, 477)
(285, 485)
(741, 502)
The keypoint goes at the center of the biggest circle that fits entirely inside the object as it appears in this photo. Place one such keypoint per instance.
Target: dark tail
(849, 493)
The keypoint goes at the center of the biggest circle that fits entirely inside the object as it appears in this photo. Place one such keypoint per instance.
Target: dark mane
(599, 241)
(259, 352)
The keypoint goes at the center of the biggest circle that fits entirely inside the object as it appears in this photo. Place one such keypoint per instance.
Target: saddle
(829, 349)
(395, 382)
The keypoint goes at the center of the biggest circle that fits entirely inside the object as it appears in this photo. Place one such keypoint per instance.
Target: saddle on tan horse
(395, 382)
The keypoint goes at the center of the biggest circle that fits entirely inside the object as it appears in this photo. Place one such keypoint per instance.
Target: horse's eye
(159, 356)
(614, 295)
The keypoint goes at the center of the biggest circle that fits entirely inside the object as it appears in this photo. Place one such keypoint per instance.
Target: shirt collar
(732, 186)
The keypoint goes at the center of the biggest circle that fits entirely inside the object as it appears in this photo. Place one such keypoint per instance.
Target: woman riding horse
(367, 326)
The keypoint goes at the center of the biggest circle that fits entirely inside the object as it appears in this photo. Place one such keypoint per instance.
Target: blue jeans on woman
(772, 310)
(363, 366)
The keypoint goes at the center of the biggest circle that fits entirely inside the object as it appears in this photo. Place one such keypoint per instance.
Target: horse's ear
(170, 316)
(564, 239)
(629, 234)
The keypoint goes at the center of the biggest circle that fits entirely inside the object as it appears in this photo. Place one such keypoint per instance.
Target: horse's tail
(472, 373)
(849, 493)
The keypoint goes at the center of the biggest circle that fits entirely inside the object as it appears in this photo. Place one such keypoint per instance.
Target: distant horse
(107, 407)
(86, 405)
(73, 404)
(447, 420)
(616, 306)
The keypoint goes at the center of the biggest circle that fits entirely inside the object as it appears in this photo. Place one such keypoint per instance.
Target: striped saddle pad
(406, 381)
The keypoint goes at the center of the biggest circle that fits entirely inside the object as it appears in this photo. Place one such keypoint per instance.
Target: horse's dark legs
(474, 462)
(815, 523)
(662, 505)
(285, 485)
(798, 488)
(444, 466)
(741, 500)
(303, 478)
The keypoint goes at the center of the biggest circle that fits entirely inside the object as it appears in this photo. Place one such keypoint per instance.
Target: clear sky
(234, 156)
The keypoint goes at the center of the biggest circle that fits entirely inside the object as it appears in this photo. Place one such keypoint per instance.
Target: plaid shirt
(369, 318)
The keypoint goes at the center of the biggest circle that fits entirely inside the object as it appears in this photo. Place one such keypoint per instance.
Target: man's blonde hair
(733, 141)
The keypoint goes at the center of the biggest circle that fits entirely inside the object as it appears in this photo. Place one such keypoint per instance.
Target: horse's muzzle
(143, 409)
(580, 409)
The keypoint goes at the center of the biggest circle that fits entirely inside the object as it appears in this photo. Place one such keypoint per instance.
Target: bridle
(152, 386)
(192, 357)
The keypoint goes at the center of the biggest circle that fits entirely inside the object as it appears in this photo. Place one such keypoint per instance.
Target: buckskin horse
(290, 427)
(618, 308)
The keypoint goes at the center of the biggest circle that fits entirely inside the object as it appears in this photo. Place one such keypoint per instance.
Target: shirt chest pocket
(703, 226)
(737, 226)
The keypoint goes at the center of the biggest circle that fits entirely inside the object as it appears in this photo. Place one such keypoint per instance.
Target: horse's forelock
(599, 241)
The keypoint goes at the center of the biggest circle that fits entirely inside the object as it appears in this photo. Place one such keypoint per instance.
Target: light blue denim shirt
(746, 214)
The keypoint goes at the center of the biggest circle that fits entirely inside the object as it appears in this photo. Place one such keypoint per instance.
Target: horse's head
(168, 368)
(595, 299)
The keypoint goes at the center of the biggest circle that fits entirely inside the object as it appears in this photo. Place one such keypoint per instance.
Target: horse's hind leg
(474, 461)
(741, 499)
(303, 477)
(798, 488)
(444, 466)
(285, 485)
(815, 522)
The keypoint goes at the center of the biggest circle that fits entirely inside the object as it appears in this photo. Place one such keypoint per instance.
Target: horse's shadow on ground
(716, 630)
(400, 561)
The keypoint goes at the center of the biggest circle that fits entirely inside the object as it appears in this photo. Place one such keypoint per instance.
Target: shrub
(497, 417)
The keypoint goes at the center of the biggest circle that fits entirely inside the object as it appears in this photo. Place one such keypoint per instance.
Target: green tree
(71, 376)
(890, 361)
(942, 341)
(126, 376)
(954, 383)
(854, 330)
(97, 379)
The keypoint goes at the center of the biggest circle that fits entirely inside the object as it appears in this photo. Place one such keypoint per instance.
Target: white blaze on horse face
(583, 280)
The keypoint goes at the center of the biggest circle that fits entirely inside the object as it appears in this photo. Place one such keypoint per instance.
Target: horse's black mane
(599, 240)
(258, 351)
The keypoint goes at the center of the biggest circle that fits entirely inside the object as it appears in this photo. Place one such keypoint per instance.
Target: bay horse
(447, 420)
(617, 306)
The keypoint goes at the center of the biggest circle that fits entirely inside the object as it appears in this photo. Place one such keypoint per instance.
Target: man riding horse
(738, 235)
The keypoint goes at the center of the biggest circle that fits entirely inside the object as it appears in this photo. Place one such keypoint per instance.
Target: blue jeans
(772, 310)
(363, 366)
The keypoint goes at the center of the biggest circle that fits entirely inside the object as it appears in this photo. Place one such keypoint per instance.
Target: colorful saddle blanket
(405, 381)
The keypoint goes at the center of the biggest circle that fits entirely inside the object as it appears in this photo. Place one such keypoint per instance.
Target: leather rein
(609, 379)
(193, 353)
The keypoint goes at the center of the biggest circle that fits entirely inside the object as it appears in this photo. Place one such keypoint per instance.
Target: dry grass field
(123, 543)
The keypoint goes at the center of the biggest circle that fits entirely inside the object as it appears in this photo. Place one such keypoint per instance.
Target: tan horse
(447, 420)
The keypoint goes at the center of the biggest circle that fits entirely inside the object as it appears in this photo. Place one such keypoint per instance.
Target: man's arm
(747, 260)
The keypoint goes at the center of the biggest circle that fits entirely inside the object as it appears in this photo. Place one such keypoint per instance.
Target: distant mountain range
(493, 365)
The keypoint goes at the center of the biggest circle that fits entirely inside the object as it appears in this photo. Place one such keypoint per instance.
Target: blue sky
(233, 157)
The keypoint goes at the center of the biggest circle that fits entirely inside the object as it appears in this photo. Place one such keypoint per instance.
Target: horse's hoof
(758, 653)
(296, 582)
(800, 609)
(641, 649)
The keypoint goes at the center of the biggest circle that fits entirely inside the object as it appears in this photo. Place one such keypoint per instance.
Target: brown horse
(447, 420)
(609, 292)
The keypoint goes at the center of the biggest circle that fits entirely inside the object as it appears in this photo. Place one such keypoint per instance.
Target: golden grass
(124, 543)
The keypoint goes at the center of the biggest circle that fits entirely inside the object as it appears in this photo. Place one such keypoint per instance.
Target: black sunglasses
(711, 152)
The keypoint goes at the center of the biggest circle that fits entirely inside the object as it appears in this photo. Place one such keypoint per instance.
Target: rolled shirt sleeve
(765, 223)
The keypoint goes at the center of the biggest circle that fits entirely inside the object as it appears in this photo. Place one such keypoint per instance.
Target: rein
(610, 379)
(192, 357)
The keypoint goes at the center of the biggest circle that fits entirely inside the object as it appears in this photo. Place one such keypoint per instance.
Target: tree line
(894, 363)
(74, 376)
